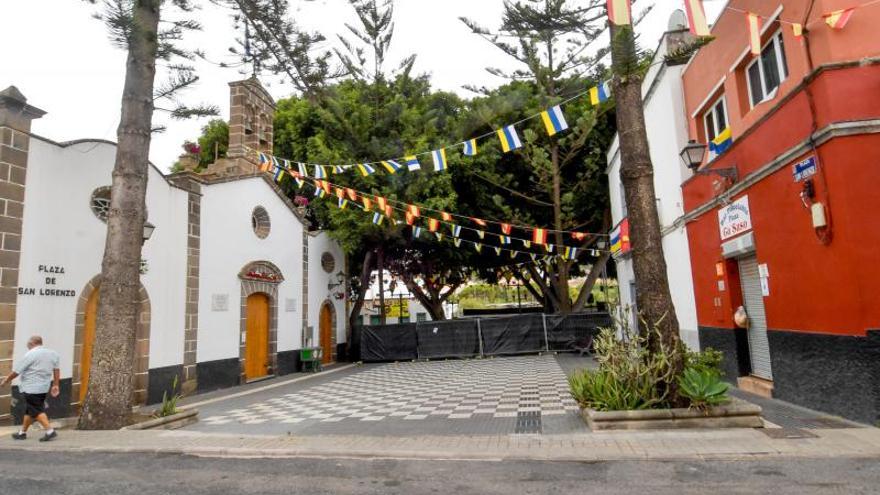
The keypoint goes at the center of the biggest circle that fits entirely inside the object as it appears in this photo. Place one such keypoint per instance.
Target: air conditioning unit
(743, 244)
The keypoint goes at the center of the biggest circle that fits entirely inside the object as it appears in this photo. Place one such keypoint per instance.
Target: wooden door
(85, 359)
(256, 353)
(326, 329)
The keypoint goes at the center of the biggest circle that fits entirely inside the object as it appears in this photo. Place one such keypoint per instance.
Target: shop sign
(734, 219)
(804, 169)
(50, 275)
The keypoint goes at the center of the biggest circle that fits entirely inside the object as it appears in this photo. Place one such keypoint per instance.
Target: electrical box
(818, 210)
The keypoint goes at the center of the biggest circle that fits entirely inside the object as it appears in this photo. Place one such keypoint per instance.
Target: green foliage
(704, 388)
(214, 134)
(707, 361)
(602, 390)
(169, 403)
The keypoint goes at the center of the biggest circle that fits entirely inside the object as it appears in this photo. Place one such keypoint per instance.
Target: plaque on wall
(220, 302)
(290, 305)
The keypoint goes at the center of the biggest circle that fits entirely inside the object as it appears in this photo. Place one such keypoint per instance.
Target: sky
(68, 67)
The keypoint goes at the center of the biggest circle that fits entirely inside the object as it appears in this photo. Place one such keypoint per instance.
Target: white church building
(234, 284)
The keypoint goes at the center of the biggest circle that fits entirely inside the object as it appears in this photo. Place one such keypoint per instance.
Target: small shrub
(708, 360)
(603, 391)
(169, 404)
(704, 388)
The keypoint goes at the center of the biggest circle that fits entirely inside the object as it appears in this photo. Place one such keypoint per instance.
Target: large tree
(558, 181)
(151, 31)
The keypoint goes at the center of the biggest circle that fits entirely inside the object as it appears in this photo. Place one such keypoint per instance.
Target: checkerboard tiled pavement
(474, 389)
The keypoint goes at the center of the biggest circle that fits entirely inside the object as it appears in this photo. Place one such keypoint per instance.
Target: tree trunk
(637, 174)
(434, 305)
(109, 398)
(380, 262)
(560, 285)
(587, 286)
(358, 305)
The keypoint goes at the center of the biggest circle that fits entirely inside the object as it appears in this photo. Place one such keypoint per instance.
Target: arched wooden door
(325, 325)
(90, 323)
(256, 360)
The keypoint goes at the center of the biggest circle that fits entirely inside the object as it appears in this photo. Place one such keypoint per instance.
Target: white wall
(228, 243)
(319, 281)
(60, 229)
(666, 127)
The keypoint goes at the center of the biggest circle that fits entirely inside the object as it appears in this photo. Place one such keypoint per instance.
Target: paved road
(525, 394)
(31, 473)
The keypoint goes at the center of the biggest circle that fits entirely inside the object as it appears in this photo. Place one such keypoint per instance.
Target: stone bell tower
(251, 115)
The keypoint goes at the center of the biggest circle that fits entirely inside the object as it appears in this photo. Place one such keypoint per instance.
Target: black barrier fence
(472, 337)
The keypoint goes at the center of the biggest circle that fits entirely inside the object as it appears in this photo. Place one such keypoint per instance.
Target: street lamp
(148, 231)
(340, 278)
(692, 156)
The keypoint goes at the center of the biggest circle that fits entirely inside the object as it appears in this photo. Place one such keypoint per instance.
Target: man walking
(39, 373)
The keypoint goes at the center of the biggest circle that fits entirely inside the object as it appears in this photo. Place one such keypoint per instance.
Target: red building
(794, 235)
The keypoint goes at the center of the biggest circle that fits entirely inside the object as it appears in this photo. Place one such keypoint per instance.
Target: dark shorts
(35, 404)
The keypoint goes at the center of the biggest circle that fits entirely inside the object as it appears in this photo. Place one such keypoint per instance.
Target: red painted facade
(816, 286)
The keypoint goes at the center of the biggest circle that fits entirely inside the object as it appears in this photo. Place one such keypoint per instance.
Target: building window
(421, 317)
(327, 262)
(767, 71)
(260, 222)
(101, 203)
(715, 122)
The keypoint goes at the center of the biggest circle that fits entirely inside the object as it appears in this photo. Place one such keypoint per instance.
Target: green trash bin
(311, 359)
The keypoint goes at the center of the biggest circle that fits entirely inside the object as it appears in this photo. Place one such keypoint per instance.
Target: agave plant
(704, 388)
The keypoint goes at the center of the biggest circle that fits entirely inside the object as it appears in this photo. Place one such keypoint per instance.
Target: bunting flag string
(699, 26)
(619, 12)
(378, 219)
(835, 20)
(754, 23)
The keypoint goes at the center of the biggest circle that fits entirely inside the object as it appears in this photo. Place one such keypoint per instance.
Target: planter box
(173, 422)
(735, 414)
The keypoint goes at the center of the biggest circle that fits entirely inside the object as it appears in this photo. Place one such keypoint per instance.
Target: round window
(327, 262)
(100, 203)
(260, 222)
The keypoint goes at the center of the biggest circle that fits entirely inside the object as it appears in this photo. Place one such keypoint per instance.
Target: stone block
(13, 156)
(7, 330)
(9, 259)
(9, 277)
(6, 348)
(11, 242)
(8, 295)
(18, 175)
(9, 224)
(7, 312)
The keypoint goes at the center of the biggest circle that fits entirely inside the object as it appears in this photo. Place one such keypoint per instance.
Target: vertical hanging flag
(342, 203)
(470, 147)
(481, 233)
(377, 218)
(754, 32)
(365, 169)
(838, 18)
(264, 161)
(549, 247)
(381, 202)
(391, 166)
(412, 163)
(302, 169)
(417, 232)
(534, 256)
(279, 174)
(410, 219)
(578, 236)
(368, 204)
(445, 216)
(337, 169)
(389, 211)
(478, 247)
(797, 30)
(351, 193)
(439, 157)
(697, 17)
(439, 235)
(319, 192)
(299, 182)
(287, 164)
(527, 243)
(340, 192)
(497, 251)
(571, 253)
(414, 210)
(457, 242)
(619, 12)
(325, 186)
(456, 230)
(505, 227)
(505, 239)
(433, 224)
(554, 120)
(481, 223)
(600, 93)
(513, 253)
(539, 236)
(319, 172)
(509, 138)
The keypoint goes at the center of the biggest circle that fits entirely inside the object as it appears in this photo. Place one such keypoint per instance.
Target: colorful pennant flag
(527, 243)
(445, 216)
(340, 192)
(342, 203)
(456, 230)
(470, 147)
(439, 157)
(414, 210)
(351, 193)
(439, 235)
(417, 232)
(619, 12)
(578, 236)
(697, 17)
(554, 120)
(571, 253)
(433, 224)
(338, 169)
(391, 166)
(456, 241)
(365, 169)
(797, 30)
(549, 247)
(600, 94)
(264, 161)
(505, 239)
(279, 174)
(481, 223)
(389, 211)
(509, 138)
(302, 169)
(539, 236)
(325, 186)
(721, 142)
(481, 233)
(410, 219)
(513, 254)
(505, 227)
(378, 218)
(754, 23)
(838, 18)
(368, 204)
(412, 163)
(381, 202)
(319, 172)
(319, 192)
(478, 247)
(299, 182)
(497, 251)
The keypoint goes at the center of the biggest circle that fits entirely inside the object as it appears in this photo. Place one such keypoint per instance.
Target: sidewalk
(659, 445)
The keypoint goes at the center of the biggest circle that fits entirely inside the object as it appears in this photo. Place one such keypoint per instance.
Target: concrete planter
(173, 422)
(735, 414)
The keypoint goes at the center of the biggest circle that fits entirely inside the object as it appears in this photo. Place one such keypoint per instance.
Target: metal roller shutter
(759, 347)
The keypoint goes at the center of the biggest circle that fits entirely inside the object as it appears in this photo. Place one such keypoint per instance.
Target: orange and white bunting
(445, 216)
(838, 18)
(382, 202)
(754, 32)
(410, 218)
(797, 30)
(619, 12)
(368, 204)
(433, 224)
(414, 210)
(699, 26)
(539, 236)
(352, 194)
(505, 227)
